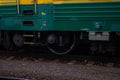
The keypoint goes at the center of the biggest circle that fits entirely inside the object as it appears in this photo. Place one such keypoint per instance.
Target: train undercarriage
(61, 42)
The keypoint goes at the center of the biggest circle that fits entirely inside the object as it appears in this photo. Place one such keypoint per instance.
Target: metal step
(28, 35)
(29, 43)
(29, 39)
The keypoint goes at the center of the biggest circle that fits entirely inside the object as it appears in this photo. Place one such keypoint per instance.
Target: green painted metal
(84, 16)
(10, 21)
(63, 17)
(11, 10)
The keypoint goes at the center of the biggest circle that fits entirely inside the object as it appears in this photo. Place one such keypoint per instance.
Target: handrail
(18, 6)
(35, 6)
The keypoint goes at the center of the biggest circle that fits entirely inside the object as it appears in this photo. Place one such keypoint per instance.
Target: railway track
(99, 60)
(11, 78)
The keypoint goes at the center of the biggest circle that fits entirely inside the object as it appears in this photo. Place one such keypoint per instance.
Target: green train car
(60, 25)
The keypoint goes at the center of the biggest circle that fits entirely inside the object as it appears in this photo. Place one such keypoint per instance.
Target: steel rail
(11, 78)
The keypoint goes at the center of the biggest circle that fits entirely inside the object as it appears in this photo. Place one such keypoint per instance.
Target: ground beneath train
(41, 69)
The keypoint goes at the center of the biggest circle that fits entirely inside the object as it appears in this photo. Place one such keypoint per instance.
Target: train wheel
(18, 40)
(7, 42)
(0, 38)
(61, 43)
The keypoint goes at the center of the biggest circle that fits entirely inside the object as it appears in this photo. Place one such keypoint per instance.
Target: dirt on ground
(51, 70)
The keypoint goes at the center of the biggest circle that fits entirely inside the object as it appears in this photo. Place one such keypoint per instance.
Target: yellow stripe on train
(10, 2)
(82, 1)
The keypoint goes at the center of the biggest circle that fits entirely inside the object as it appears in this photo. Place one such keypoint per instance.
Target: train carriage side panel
(40, 15)
(26, 15)
(87, 16)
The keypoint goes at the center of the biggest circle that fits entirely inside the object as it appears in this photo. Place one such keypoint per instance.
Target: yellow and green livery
(91, 17)
(54, 11)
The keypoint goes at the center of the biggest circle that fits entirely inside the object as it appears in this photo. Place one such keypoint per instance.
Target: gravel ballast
(50, 70)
